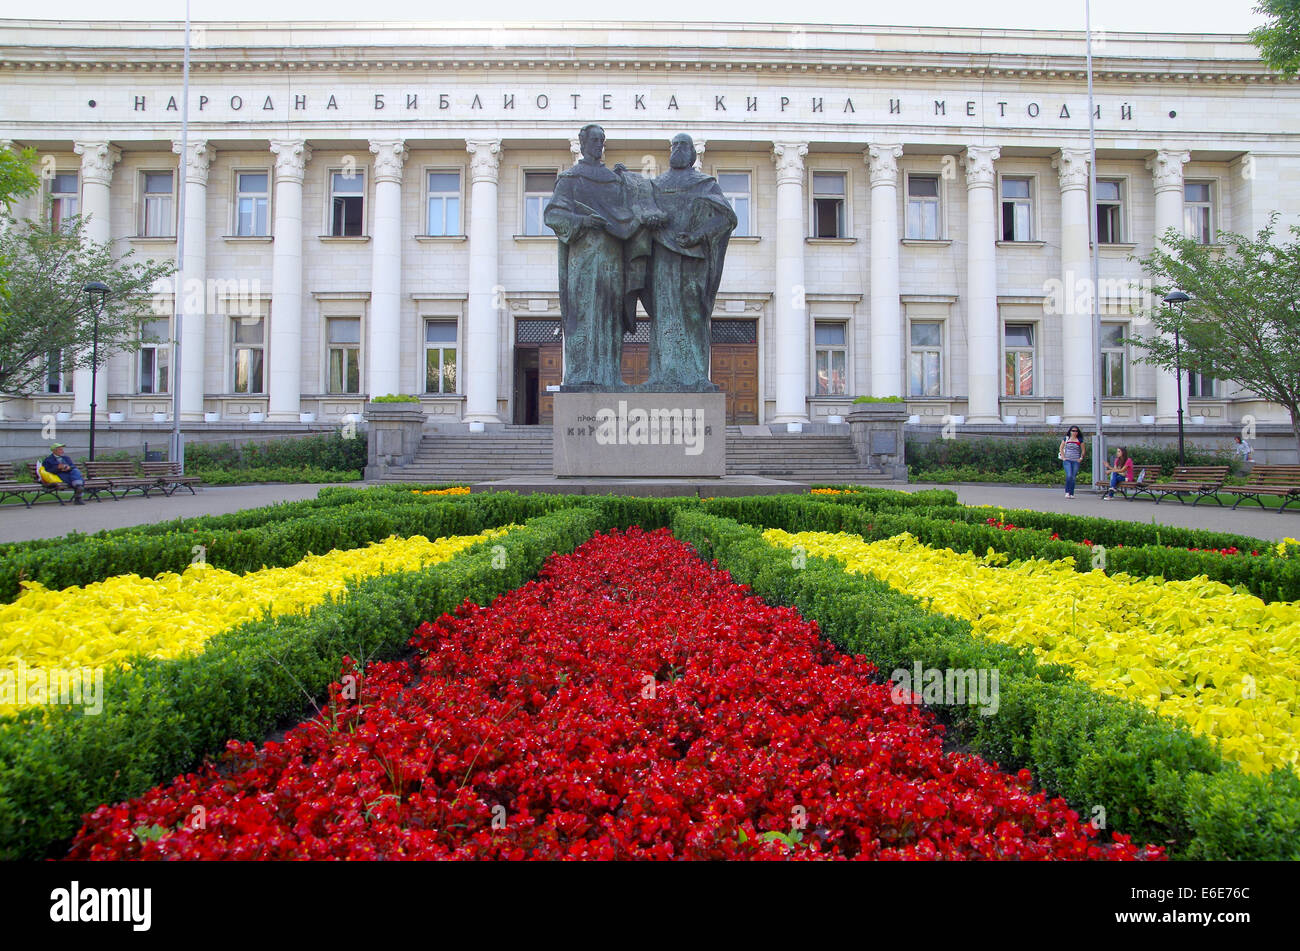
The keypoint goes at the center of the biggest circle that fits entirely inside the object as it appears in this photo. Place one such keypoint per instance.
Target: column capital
(979, 161)
(788, 158)
(882, 160)
(390, 154)
(1072, 168)
(291, 158)
(198, 156)
(485, 159)
(1167, 168)
(97, 161)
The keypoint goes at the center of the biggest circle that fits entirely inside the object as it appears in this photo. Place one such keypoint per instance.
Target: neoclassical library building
(364, 207)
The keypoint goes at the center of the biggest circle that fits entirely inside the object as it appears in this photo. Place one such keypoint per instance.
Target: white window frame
(364, 173)
(65, 376)
(845, 219)
(1196, 387)
(329, 346)
(938, 201)
(1032, 350)
(731, 197)
(525, 195)
(234, 205)
(456, 345)
(154, 347)
(234, 348)
(146, 198)
(1031, 201)
(1121, 204)
(459, 195)
(1122, 350)
(925, 349)
(1212, 217)
(59, 200)
(845, 324)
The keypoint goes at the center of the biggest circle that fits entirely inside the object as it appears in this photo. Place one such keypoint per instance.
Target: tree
(1279, 39)
(1242, 323)
(17, 178)
(46, 311)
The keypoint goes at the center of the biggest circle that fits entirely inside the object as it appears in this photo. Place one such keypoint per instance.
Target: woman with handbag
(1071, 455)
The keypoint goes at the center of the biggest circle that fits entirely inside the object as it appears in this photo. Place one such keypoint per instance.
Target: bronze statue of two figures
(626, 238)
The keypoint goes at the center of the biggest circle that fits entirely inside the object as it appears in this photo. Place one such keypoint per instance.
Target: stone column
(789, 307)
(886, 312)
(191, 291)
(984, 371)
(284, 346)
(97, 161)
(384, 339)
(1080, 367)
(479, 360)
(1167, 171)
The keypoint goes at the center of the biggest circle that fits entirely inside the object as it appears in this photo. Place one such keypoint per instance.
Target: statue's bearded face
(593, 145)
(682, 152)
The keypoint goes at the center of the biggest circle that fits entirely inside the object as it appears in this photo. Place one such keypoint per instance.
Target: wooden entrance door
(550, 371)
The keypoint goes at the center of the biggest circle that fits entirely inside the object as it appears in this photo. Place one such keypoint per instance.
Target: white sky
(1174, 16)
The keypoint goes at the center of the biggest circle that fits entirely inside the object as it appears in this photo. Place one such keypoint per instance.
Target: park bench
(1123, 488)
(1201, 481)
(168, 476)
(1277, 481)
(28, 492)
(119, 477)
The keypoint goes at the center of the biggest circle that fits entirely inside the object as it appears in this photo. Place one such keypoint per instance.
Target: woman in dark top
(1071, 455)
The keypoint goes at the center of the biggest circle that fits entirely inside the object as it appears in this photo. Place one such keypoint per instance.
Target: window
(344, 336)
(1110, 211)
(1019, 360)
(159, 221)
(925, 358)
(440, 356)
(252, 199)
(58, 378)
(829, 193)
(1202, 386)
(444, 203)
(832, 358)
(1017, 209)
(1113, 359)
(735, 188)
(538, 188)
(923, 207)
(1197, 223)
(347, 203)
(155, 355)
(63, 198)
(250, 336)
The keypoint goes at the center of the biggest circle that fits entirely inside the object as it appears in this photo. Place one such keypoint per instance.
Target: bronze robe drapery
(602, 271)
(683, 280)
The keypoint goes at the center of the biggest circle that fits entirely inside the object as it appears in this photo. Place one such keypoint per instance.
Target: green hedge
(1156, 780)
(1272, 579)
(325, 451)
(307, 474)
(161, 718)
(1037, 454)
(278, 543)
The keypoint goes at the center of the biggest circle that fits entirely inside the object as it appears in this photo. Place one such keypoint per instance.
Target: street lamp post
(1179, 298)
(96, 292)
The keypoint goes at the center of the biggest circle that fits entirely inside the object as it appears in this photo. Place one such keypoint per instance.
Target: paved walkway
(45, 519)
(48, 519)
(1247, 520)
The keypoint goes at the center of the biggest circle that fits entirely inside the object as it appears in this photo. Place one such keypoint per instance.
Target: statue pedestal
(656, 435)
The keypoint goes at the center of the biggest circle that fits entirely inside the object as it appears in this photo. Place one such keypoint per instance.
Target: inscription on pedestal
(648, 435)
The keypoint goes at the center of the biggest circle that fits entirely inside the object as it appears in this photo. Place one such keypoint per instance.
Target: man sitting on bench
(61, 466)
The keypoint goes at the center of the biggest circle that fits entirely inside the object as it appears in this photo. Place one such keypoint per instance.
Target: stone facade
(898, 179)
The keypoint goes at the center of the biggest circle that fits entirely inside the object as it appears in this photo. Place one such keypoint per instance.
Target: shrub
(1037, 454)
(329, 451)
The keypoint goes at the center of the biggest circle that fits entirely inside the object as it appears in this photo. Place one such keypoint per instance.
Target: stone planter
(116, 417)
(395, 432)
(1147, 420)
(306, 417)
(877, 433)
(256, 417)
(212, 417)
(160, 417)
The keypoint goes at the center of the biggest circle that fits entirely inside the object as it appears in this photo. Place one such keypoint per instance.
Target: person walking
(1121, 471)
(1071, 455)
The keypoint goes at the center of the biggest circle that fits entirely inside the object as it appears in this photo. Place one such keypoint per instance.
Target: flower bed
(1222, 662)
(631, 703)
(107, 623)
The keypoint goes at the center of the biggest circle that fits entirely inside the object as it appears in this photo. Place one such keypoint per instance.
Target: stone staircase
(526, 451)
